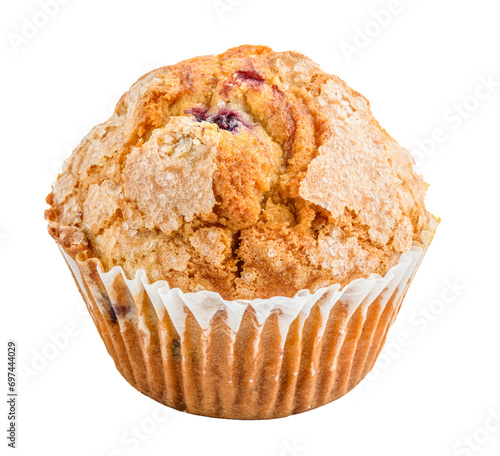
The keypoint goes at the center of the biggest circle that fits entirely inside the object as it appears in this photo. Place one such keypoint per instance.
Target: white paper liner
(205, 304)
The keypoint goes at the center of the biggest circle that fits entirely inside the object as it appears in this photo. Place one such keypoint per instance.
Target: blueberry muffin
(224, 224)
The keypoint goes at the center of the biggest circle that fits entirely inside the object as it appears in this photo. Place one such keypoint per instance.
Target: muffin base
(255, 359)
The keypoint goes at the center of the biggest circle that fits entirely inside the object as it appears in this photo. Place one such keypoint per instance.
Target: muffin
(243, 233)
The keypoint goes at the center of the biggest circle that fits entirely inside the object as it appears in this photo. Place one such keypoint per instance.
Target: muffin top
(252, 174)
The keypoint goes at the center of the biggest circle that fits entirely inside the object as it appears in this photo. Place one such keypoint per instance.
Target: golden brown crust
(252, 174)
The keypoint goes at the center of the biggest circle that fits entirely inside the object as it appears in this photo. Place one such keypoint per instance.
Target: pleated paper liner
(258, 359)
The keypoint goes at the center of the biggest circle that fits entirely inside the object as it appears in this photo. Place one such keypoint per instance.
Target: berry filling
(228, 120)
(225, 119)
(249, 75)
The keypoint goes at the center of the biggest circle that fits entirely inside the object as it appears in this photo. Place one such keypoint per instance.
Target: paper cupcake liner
(264, 358)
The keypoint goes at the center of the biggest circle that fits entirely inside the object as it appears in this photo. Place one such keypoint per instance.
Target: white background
(436, 388)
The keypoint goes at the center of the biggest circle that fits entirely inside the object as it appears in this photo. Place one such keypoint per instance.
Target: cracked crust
(252, 174)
